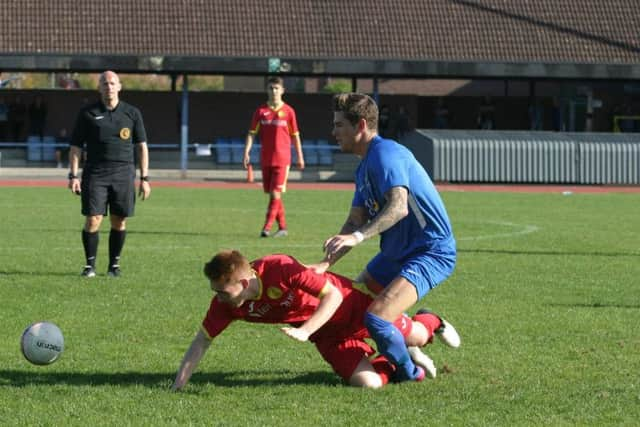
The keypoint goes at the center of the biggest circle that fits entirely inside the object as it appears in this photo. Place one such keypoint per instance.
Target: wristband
(72, 176)
(144, 178)
(358, 236)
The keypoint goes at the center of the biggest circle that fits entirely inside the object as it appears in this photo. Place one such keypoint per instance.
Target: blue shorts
(425, 270)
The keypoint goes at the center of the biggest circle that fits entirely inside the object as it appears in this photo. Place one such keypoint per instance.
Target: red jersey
(289, 294)
(274, 129)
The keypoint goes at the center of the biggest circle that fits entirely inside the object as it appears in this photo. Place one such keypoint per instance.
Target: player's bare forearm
(331, 258)
(335, 247)
(393, 212)
(330, 300)
(298, 144)
(192, 357)
(356, 219)
(248, 143)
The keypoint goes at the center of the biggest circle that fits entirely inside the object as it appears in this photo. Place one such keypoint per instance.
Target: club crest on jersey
(274, 293)
(281, 114)
(125, 133)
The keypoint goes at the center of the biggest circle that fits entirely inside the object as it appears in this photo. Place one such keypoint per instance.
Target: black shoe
(88, 271)
(114, 271)
(265, 233)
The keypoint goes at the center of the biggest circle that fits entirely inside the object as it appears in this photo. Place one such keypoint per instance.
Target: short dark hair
(356, 106)
(223, 264)
(275, 80)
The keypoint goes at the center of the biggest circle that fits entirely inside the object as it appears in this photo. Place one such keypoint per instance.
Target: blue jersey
(388, 164)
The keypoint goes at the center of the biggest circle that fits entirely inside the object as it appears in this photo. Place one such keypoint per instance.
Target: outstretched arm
(356, 230)
(198, 348)
(356, 219)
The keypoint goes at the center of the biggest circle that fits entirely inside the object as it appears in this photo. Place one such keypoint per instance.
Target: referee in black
(110, 129)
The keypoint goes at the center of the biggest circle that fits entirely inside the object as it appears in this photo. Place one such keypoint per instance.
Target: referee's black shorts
(111, 185)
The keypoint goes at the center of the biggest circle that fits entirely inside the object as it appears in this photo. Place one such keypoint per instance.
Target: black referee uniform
(108, 177)
(109, 138)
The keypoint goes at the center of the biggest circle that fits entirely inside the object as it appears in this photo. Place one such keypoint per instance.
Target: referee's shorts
(111, 185)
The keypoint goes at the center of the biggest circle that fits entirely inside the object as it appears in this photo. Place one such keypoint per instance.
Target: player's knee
(118, 222)
(92, 224)
(366, 380)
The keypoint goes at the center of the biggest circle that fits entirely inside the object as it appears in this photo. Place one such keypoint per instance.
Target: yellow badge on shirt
(125, 133)
(274, 293)
(281, 114)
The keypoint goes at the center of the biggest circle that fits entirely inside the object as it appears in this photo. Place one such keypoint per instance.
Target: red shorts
(344, 354)
(274, 178)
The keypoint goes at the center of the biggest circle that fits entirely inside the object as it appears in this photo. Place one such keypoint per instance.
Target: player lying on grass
(326, 309)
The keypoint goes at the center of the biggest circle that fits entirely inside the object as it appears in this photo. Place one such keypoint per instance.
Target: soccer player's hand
(145, 190)
(301, 164)
(296, 333)
(336, 244)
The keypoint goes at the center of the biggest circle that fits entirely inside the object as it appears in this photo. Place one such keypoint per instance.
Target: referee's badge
(125, 133)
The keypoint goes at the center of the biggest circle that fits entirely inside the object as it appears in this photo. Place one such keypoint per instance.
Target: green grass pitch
(546, 297)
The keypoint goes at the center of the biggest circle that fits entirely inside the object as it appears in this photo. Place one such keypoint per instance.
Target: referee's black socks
(90, 243)
(116, 243)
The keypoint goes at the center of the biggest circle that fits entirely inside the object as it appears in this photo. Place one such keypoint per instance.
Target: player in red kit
(325, 309)
(276, 126)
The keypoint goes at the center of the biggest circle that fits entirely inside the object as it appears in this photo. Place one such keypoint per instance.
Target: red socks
(275, 211)
(385, 369)
(282, 222)
(430, 321)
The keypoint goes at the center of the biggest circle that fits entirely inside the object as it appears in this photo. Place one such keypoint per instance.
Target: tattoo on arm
(357, 218)
(394, 210)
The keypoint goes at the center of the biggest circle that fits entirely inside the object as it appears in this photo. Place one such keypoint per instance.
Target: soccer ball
(42, 343)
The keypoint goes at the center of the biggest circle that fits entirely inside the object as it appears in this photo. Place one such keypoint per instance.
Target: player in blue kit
(395, 198)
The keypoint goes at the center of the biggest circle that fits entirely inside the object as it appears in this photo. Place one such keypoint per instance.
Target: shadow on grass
(151, 232)
(74, 274)
(23, 378)
(550, 253)
(596, 305)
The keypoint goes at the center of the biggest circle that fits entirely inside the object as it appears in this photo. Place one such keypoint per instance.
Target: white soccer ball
(42, 343)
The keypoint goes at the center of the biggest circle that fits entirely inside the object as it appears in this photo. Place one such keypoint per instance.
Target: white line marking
(524, 229)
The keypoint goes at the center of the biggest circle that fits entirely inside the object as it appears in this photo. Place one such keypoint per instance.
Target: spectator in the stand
(17, 116)
(4, 119)
(486, 114)
(62, 147)
(37, 117)
(441, 115)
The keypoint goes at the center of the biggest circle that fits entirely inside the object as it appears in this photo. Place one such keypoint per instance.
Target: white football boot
(422, 360)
